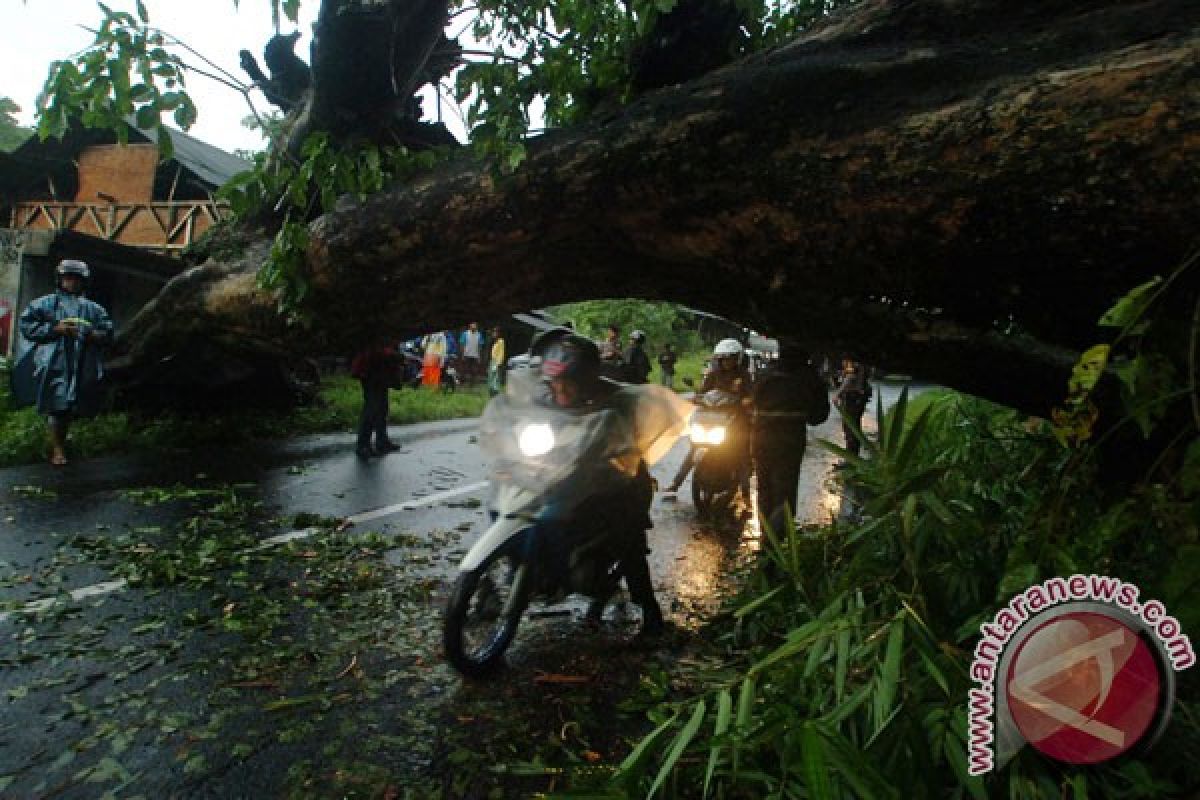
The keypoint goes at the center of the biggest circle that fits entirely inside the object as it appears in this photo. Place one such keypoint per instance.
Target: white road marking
(284, 538)
(47, 603)
(415, 503)
(97, 589)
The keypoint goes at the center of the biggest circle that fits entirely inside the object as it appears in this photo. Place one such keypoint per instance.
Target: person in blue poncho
(60, 369)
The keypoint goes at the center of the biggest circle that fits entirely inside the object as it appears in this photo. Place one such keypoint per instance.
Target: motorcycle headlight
(702, 435)
(536, 440)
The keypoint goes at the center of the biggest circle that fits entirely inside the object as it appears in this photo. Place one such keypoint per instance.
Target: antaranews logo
(1076, 667)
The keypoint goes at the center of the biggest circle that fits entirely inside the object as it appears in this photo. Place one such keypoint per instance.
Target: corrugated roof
(211, 164)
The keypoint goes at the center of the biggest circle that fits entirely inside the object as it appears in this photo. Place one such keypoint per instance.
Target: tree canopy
(11, 132)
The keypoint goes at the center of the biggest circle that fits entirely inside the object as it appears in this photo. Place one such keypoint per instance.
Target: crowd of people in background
(782, 395)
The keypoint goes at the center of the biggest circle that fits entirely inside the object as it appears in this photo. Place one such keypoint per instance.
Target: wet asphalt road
(120, 649)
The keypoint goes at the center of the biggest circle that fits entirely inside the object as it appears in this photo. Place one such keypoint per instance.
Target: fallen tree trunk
(954, 189)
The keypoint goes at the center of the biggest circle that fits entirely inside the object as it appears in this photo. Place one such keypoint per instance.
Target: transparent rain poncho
(587, 451)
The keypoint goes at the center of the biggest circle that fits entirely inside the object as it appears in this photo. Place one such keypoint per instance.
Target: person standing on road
(434, 359)
(789, 397)
(851, 399)
(637, 363)
(375, 368)
(61, 370)
(666, 365)
(611, 364)
(496, 365)
(471, 347)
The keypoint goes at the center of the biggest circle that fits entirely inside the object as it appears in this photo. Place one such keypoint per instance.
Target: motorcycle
(719, 450)
(549, 466)
(409, 372)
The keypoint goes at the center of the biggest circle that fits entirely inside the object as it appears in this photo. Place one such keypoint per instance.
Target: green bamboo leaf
(908, 517)
(855, 768)
(745, 705)
(845, 455)
(843, 661)
(724, 715)
(681, 742)
(863, 530)
(798, 640)
(292, 702)
(745, 711)
(956, 757)
(816, 653)
(939, 509)
(756, 603)
(855, 702)
(934, 671)
(816, 771)
(890, 675)
(631, 766)
(890, 434)
(913, 437)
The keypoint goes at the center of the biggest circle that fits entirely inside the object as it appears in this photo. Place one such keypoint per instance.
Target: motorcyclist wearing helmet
(637, 363)
(571, 371)
(727, 373)
(60, 368)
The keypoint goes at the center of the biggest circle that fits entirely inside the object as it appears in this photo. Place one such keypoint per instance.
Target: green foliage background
(12, 135)
(842, 669)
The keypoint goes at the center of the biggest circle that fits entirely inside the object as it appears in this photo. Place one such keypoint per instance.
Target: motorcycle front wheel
(482, 615)
(710, 493)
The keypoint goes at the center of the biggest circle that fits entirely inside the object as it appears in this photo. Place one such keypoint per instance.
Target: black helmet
(638, 336)
(70, 266)
(568, 355)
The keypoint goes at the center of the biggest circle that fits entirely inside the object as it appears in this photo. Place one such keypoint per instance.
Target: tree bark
(952, 188)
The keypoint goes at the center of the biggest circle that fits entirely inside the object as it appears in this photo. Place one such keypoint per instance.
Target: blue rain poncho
(61, 373)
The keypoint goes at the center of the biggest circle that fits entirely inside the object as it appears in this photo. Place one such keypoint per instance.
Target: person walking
(666, 365)
(60, 370)
(851, 399)
(637, 363)
(496, 365)
(789, 397)
(375, 368)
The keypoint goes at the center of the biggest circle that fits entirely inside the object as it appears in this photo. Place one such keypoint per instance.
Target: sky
(34, 33)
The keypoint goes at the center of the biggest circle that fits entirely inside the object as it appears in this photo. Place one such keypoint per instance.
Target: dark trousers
(777, 465)
(625, 516)
(471, 370)
(373, 419)
(853, 405)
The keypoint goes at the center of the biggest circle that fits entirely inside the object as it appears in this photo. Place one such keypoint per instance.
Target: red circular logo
(1083, 688)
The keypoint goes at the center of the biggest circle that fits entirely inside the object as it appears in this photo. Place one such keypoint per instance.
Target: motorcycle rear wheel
(476, 632)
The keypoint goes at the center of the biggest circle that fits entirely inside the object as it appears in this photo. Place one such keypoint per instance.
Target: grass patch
(23, 432)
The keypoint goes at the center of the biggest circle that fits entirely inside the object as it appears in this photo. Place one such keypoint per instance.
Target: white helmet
(728, 347)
